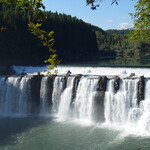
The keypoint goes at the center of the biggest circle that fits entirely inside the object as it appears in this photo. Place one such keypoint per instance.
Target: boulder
(132, 74)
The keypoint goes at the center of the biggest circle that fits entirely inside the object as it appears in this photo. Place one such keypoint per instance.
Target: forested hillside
(117, 41)
(75, 40)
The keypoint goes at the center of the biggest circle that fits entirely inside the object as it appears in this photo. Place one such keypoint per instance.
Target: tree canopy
(141, 18)
(35, 18)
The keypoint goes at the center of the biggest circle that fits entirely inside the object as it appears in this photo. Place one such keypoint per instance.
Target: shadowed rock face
(98, 105)
(65, 81)
(75, 86)
(49, 86)
(35, 93)
(116, 83)
(98, 102)
(102, 83)
(141, 89)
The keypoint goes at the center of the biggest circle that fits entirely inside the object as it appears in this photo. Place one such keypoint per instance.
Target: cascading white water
(12, 95)
(147, 90)
(57, 91)
(64, 110)
(143, 123)
(43, 95)
(118, 105)
(15, 96)
(83, 104)
(121, 108)
(24, 96)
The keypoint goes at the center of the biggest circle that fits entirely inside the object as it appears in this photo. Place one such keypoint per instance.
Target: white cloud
(124, 25)
(109, 20)
(125, 17)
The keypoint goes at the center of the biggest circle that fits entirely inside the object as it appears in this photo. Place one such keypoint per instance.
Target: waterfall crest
(112, 101)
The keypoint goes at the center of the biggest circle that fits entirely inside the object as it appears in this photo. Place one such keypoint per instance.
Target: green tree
(35, 19)
(141, 17)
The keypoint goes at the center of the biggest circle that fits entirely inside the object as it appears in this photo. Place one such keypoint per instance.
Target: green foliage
(141, 17)
(35, 14)
(74, 39)
(96, 3)
(32, 6)
(117, 41)
(47, 39)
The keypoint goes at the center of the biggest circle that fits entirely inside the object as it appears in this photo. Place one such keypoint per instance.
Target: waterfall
(147, 87)
(64, 110)
(114, 101)
(143, 124)
(83, 105)
(44, 98)
(15, 95)
(57, 91)
(24, 96)
(12, 95)
(118, 105)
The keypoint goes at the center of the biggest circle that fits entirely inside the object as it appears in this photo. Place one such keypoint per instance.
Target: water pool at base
(46, 133)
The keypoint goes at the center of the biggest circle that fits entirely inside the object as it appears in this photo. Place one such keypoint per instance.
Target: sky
(106, 16)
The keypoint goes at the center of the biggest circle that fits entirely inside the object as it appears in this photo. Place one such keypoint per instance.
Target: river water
(48, 133)
(73, 113)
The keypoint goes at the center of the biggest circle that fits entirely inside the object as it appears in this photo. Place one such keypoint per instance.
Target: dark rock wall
(35, 93)
(98, 103)
(141, 89)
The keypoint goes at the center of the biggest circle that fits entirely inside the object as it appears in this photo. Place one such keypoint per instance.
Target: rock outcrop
(98, 102)
(75, 86)
(141, 89)
(35, 85)
(116, 83)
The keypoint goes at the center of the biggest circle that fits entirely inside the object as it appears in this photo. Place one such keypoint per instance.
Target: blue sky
(107, 16)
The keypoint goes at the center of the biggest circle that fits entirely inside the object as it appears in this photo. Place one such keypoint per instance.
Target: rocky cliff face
(141, 89)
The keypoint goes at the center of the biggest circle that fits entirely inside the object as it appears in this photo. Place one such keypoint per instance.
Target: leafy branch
(36, 15)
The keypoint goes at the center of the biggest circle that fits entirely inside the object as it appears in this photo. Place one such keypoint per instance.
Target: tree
(141, 17)
(141, 29)
(96, 3)
(35, 19)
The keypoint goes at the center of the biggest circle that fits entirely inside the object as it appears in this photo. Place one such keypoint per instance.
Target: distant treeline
(75, 40)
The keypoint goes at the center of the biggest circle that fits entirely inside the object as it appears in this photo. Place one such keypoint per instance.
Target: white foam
(109, 71)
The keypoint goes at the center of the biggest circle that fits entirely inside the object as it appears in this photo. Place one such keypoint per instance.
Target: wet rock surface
(102, 83)
(75, 86)
(35, 84)
(116, 83)
(141, 89)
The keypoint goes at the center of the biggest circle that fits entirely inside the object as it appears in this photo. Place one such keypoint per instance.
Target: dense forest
(75, 40)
